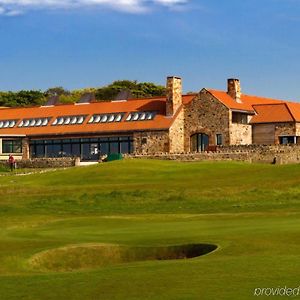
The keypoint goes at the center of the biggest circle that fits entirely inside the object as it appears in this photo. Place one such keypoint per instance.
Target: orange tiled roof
(247, 101)
(154, 104)
(272, 113)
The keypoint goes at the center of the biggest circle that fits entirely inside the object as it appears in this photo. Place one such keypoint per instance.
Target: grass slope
(250, 211)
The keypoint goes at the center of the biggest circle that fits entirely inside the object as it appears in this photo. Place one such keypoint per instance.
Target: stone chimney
(174, 95)
(234, 89)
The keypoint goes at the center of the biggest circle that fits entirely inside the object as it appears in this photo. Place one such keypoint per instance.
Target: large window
(199, 142)
(12, 146)
(86, 149)
(239, 118)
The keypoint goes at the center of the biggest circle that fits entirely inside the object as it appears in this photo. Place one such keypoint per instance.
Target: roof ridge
(254, 96)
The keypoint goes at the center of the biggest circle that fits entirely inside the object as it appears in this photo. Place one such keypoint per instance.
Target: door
(199, 142)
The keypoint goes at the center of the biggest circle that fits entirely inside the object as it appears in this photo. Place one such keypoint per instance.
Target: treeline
(105, 93)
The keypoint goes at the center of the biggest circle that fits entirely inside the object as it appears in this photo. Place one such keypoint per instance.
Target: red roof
(247, 101)
(272, 113)
(267, 110)
(158, 105)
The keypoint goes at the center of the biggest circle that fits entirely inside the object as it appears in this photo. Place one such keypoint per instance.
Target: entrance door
(199, 142)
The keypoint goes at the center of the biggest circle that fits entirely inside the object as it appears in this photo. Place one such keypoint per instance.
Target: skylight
(106, 118)
(34, 122)
(69, 120)
(141, 116)
(8, 123)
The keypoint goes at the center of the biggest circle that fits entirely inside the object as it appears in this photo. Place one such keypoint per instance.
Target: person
(11, 161)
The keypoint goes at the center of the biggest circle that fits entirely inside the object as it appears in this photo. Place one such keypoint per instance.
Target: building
(175, 123)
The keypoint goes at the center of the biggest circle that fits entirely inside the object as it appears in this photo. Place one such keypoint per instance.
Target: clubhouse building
(175, 123)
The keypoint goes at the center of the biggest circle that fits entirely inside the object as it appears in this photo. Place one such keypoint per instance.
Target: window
(141, 116)
(68, 120)
(239, 118)
(34, 122)
(106, 118)
(8, 123)
(85, 148)
(12, 146)
(219, 139)
(284, 140)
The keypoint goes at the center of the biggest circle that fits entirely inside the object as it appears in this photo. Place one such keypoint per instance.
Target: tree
(22, 98)
(105, 93)
(56, 91)
(138, 90)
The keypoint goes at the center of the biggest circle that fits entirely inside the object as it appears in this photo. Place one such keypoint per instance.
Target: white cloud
(15, 7)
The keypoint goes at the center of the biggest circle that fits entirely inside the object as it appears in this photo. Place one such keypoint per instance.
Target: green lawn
(252, 212)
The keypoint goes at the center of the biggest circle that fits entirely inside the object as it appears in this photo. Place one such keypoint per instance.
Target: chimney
(234, 89)
(174, 95)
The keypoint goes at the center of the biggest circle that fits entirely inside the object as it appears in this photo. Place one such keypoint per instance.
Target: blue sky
(86, 43)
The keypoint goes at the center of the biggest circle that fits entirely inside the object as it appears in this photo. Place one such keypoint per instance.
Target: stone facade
(149, 142)
(284, 129)
(177, 133)
(240, 134)
(205, 114)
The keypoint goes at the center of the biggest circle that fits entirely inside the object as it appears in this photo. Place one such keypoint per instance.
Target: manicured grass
(250, 211)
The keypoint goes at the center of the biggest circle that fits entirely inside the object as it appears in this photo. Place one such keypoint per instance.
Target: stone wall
(176, 134)
(150, 142)
(284, 154)
(61, 162)
(207, 115)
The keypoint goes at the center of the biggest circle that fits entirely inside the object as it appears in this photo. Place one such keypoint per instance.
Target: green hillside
(54, 223)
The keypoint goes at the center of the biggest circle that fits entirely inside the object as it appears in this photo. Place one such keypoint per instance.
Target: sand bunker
(87, 256)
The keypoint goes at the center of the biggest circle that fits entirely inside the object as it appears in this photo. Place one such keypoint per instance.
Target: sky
(90, 43)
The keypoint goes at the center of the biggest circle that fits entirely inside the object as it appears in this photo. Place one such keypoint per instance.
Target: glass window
(284, 140)
(114, 147)
(219, 139)
(40, 151)
(240, 118)
(124, 147)
(104, 148)
(66, 150)
(76, 149)
(53, 150)
(12, 146)
(85, 151)
(86, 148)
(199, 142)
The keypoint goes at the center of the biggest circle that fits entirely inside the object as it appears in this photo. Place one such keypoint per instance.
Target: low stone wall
(280, 154)
(62, 162)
